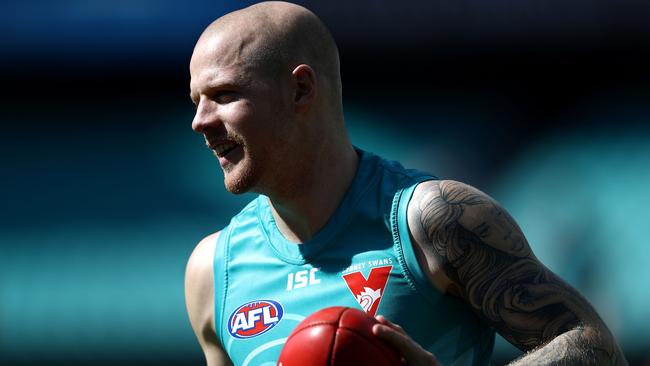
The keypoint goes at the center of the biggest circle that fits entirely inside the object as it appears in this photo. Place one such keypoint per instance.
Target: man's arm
(199, 299)
(472, 248)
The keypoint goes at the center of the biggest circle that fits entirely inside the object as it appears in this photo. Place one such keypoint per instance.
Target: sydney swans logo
(368, 291)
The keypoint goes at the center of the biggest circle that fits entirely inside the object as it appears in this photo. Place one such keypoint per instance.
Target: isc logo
(302, 279)
(254, 318)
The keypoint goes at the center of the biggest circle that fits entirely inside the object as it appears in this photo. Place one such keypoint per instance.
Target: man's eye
(225, 96)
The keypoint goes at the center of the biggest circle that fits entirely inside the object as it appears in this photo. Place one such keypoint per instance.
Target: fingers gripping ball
(337, 336)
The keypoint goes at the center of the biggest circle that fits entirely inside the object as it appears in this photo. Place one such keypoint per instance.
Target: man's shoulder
(199, 284)
(441, 195)
(207, 244)
(455, 225)
(199, 299)
(200, 261)
(442, 210)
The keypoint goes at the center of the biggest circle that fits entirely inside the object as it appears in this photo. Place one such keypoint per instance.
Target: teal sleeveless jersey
(362, 258)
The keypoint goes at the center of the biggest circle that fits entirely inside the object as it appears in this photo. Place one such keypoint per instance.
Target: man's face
(242, 114)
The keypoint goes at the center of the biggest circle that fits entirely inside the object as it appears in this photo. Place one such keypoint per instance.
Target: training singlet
(362, 258)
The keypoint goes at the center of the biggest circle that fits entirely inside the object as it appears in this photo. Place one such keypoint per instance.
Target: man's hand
(411, 351)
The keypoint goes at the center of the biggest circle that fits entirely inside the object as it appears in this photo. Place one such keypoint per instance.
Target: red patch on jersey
(368, 292)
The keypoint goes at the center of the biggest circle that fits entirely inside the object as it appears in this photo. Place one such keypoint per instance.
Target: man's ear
(305, 87)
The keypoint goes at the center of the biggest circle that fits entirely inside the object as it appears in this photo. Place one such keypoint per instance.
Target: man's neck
(302, 212)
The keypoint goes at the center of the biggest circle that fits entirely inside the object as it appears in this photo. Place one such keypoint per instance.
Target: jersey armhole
(415, 276)
(220, 271)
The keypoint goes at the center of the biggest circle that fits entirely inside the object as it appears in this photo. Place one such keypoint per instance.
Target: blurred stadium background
(105, 189)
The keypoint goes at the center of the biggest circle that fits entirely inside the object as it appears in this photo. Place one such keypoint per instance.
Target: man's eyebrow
(224, 84)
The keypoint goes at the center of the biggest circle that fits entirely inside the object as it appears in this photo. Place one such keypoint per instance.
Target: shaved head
(267, 86)
(271, 38)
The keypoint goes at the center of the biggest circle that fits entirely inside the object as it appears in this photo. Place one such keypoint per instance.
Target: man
(334, 225)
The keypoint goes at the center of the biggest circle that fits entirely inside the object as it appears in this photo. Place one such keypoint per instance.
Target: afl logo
(254, 318)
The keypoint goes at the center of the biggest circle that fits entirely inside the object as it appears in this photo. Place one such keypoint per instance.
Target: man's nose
(206, 116)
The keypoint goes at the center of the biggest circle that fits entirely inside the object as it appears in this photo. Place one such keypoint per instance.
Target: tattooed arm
(470, 247)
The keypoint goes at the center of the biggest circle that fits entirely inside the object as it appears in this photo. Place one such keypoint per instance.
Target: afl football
(337, 336)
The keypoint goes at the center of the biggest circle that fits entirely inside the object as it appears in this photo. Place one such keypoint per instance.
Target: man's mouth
(222, 148)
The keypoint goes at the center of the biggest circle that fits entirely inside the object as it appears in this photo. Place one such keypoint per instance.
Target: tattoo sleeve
(488, 260)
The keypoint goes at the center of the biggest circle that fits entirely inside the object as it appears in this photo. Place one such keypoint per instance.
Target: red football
(337, 336)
